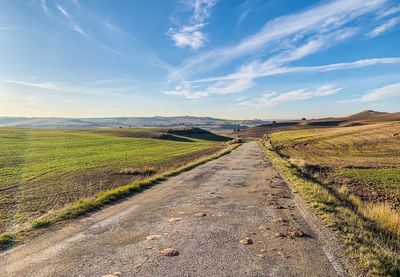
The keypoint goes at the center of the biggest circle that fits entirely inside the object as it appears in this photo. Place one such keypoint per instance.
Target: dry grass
(368, 231)
(146, 170)
(384, 215)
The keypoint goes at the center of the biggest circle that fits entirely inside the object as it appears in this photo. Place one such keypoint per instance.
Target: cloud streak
(99, 87)
(274, 98)
(299, 69)
(389, 24)
(72, 22)
(386, 91)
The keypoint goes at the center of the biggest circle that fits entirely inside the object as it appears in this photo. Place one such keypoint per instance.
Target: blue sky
(222, 58)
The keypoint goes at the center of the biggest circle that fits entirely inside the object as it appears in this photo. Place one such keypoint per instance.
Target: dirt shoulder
(203, 214)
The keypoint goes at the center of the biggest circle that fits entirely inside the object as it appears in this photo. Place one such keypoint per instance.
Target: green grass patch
(88, 205)
(385, 177)
(45, 170)
(7, 240)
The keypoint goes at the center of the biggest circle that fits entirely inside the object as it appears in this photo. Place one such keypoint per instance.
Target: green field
(43, 170)
(365, 158)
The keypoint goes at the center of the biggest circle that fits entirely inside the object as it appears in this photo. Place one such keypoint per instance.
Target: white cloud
(386, 91)
(321, 19)
(253, 73)
(389, 24)
(191, 34)
(74, 25)
(63, 11)
(386, 12)
(243, 78)
(274, 98)
(187, 90)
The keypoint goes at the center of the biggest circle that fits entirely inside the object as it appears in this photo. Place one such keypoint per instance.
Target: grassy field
(369, 232)
(366, 159)
(351, 178)
(44, 170)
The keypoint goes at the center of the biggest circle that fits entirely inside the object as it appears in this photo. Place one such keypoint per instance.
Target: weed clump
(7, 240)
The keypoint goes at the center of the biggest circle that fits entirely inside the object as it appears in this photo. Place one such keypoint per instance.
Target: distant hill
(127, 122)
(367, 113)
(375, 116)
(361, 118)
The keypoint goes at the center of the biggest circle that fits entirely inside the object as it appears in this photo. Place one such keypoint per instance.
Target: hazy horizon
(216, 58)
(177, 115)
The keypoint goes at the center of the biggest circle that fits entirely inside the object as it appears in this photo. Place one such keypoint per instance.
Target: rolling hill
(361, 118)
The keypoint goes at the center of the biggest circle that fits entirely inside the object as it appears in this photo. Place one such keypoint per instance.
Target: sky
(246, 59)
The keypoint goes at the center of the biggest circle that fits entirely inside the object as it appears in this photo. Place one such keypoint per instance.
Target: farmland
(44, 170)
(349, 177)
(366, 159)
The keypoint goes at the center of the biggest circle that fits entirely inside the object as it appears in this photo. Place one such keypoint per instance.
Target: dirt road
(203, 214)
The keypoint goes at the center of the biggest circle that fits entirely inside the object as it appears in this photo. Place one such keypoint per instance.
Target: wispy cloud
(191, 34)
(244, 79)
(389, 24)
(74, 25)
(274, 98)
(388, 11)
(98, 87)
(251, 73)
(316, 21)
(63, 11)
(386, 91)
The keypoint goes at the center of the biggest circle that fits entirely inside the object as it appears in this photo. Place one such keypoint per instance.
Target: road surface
(203, 214)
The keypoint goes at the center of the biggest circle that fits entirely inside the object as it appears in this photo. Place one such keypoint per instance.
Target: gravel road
(203, 214)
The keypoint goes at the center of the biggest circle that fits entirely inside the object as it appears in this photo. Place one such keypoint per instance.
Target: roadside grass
(95, 203)
(44, 170)
(370, 232)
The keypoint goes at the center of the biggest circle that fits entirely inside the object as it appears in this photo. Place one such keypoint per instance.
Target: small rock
(263, 250)
(280, 207)
(174, 219)
(153, 237)
(246, 241)
(115, 274)
(261, 255)
(296, 234)
(280, 235)
(201, 214)
(169, 252)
